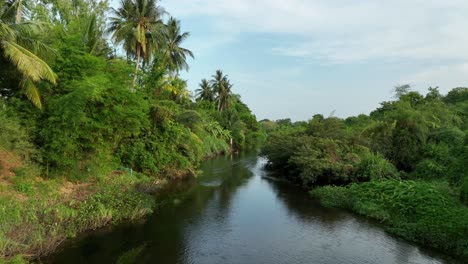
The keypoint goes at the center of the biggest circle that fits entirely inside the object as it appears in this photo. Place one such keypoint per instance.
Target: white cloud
(344, 31)
(444, 76)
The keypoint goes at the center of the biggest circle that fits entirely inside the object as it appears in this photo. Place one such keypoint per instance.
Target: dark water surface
(234, 214)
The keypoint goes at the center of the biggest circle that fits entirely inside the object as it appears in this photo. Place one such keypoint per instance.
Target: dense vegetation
(404, 164)
(84, 130)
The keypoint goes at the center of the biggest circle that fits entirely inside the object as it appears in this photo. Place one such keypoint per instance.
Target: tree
(205, 92)
(174, 55)
(20, 48)
(222, 88)
(401, 90)
(138, 25)
(457, 95)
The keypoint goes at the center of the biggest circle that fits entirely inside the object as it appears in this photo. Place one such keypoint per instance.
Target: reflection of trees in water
(237, 177)
(103, 246)
(404, 253)
(130, 256)
(162, 235)
(174, 223)
(302, 206)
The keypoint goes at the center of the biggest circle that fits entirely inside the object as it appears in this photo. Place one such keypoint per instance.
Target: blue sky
(297, 58)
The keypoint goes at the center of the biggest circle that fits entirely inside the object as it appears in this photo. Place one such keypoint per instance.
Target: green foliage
(464, 192)
(325, 161)
(23, 54)
(376, 167)
(457, 95)
(325, 157)
(280, 147)
(176, 139)
(416, 211)
(36, 226)
(175, 56)
(14, 137)
(326, 128)
(215, 96)
(333, 197)
(100, 113)
(93, 118)
(423, 137)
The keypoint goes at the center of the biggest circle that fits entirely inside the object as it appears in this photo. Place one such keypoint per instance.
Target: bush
(327, 161)
(279, 148)
(333, 196)
(91, 120)
(321, 161)
(14, 137)
(376, 167)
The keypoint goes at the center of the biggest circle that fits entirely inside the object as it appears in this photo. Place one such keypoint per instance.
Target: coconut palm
(224, 97)
(205, 92)
(222, 87)
(175, 56)
(138, 25)
(19, 48)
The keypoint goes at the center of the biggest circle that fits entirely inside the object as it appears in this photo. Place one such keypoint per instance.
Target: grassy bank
(428, 214)
(37, 215)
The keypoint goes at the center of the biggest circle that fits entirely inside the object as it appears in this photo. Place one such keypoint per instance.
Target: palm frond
(31, 91)
(28, 63)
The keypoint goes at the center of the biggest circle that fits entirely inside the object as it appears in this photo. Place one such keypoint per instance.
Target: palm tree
(19, 47)
(138, 25)
(222, 87)
(205, 92)
(174, 55)
(224, 97)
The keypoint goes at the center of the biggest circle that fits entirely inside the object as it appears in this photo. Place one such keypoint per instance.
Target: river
(234, 213)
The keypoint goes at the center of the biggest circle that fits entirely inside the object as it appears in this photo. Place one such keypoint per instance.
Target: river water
(235, 213)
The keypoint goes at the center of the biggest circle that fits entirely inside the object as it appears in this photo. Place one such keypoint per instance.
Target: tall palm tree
(138, 25)
(224, 97)
(205, 92)
(19, 47)
(222, 87)
(175, 56)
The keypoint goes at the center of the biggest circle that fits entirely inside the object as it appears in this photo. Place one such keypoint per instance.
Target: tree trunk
(138, 53)
(219, 103)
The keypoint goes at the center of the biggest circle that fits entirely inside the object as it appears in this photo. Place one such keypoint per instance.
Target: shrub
(333, 196)
(376, 167)
(14, 137)
(91, 120)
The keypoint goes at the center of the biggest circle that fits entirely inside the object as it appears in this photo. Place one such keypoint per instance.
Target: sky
(296, 58)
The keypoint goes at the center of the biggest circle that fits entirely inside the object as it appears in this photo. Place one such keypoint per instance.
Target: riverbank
(37, 215)
(424, 213)
(231, 213)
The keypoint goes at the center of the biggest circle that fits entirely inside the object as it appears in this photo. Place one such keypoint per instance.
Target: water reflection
(232, 214)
